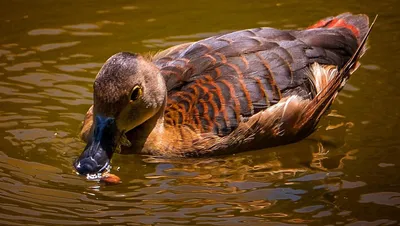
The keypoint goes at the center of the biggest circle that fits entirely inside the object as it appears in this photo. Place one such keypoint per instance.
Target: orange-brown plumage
(244, 90)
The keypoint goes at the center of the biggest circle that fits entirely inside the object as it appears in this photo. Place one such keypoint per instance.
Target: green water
(50, 51)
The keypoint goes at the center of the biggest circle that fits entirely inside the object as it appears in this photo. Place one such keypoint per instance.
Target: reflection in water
(345, 174)
(248, 187)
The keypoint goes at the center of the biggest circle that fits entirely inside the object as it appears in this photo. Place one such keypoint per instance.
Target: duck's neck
(146, 135)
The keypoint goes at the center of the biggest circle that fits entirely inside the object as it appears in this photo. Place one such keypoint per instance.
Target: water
(344, 174)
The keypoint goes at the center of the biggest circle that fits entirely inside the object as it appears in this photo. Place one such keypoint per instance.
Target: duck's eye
(136, 93)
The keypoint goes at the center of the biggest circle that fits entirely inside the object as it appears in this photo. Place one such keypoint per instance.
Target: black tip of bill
(97, 154)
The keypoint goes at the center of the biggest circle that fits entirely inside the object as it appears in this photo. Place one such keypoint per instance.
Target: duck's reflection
(244, 171)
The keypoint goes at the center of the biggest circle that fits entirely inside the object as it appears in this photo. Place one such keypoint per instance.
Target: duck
(245, 90)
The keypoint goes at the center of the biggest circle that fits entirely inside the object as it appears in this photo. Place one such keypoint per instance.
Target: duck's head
(128, 91)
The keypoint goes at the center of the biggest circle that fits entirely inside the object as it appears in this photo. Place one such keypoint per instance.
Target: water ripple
(46, 31)
(47, 79)
(23, 66)
(82, 26)
(53, 46)
(382, 198)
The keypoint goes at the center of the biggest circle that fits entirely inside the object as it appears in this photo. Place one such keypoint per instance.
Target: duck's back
(216, 83)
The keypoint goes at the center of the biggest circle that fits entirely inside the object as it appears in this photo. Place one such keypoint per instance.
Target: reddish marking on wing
(179, 106)
(188, 99)
(215, 108)
(264, 92)
(205, 115)
(242, 85)
(245, 61)
(319, 24)
(221, 98)
(290, 67)
(334, 23)
(169, 121)
(233, 97)
(181, 133)
(218, 70)
(208, 78)
(173, 104)
(196, 92)
(343, 23)
(222, 56)
(213, 104)
(182, 111)
(214, 61)
(270, 76)
(209, 81)
(174, 115)
(196, 114)
(200, 83)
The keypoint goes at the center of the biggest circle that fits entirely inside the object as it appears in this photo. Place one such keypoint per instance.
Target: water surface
(50, 51)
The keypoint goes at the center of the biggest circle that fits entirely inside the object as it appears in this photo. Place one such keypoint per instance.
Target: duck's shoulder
(162, 57)
(185, 62)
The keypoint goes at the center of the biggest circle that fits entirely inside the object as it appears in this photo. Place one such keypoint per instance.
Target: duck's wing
(216, 83)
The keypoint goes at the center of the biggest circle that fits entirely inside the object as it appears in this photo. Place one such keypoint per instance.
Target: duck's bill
(95, 159)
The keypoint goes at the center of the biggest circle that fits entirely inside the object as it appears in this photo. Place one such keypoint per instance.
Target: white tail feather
(321, 75)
